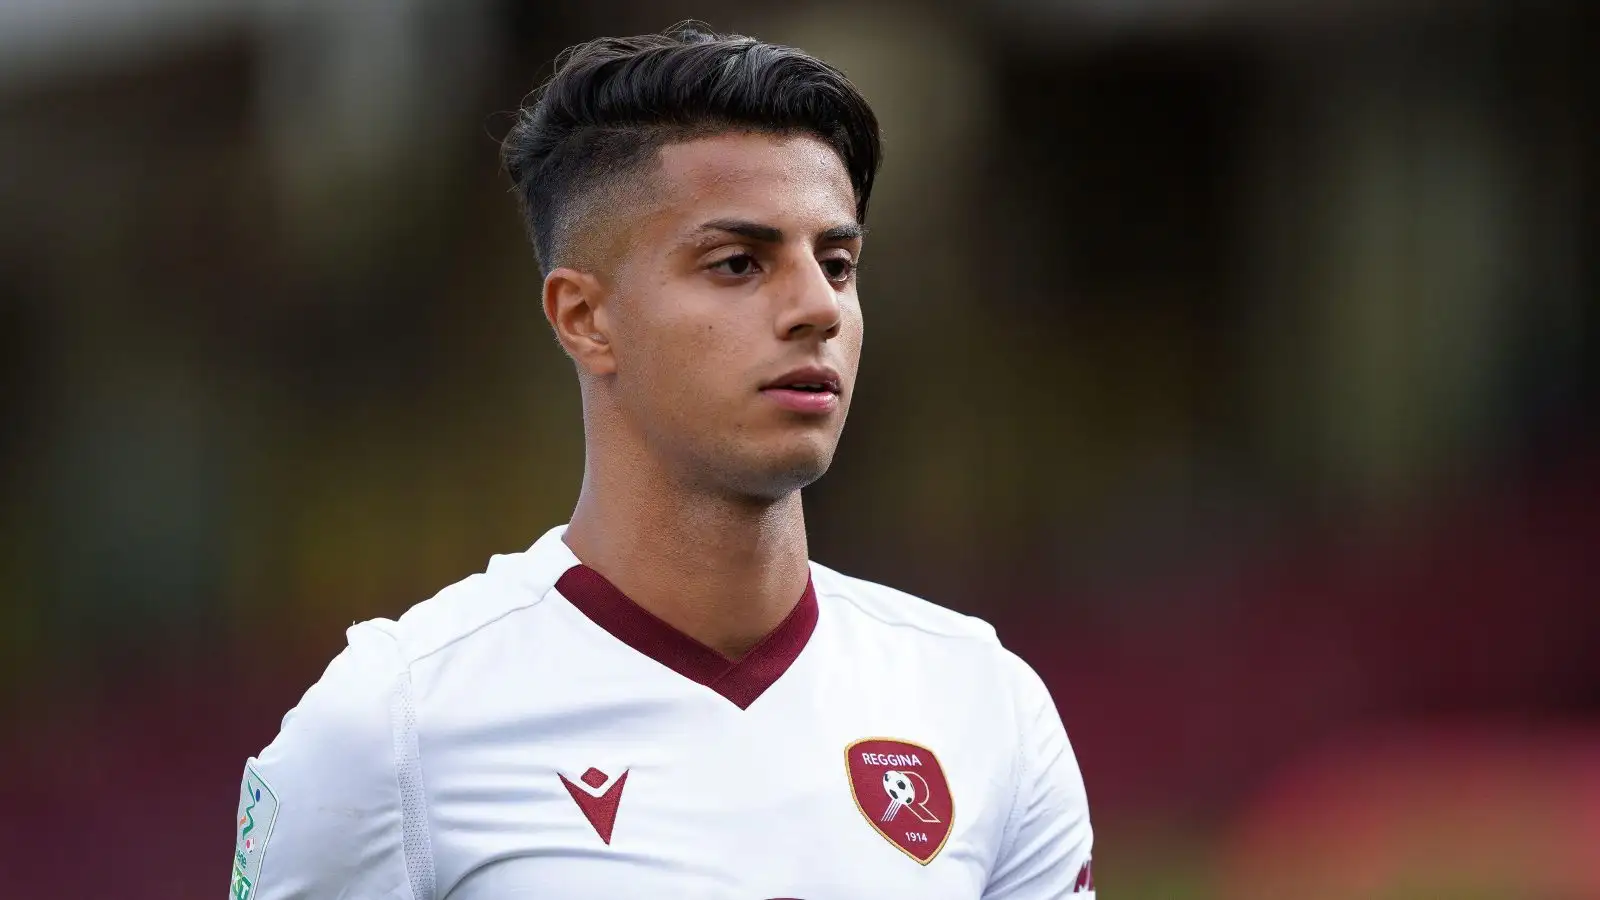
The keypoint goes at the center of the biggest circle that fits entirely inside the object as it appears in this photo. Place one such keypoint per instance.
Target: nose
(810, 304)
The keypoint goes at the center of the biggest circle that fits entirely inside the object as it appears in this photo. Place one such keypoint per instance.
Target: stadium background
(1236, 358)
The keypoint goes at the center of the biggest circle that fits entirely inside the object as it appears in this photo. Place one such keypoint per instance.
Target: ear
(573, 304)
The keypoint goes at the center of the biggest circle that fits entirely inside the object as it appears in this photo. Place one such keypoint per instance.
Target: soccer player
(665, 698)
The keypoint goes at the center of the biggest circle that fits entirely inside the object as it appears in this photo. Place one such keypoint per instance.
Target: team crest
(901, 790)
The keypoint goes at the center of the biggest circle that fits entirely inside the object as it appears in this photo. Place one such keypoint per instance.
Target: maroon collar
(740, 682)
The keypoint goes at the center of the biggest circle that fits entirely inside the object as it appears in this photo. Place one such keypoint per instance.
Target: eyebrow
(767, 234)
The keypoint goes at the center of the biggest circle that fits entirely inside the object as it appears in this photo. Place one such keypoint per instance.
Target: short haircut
(613, 103)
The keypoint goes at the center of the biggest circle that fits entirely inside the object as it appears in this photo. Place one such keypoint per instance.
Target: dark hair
(613, 103)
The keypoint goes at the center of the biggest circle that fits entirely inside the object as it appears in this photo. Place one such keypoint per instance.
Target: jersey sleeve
(1045, 850)
(321, 814)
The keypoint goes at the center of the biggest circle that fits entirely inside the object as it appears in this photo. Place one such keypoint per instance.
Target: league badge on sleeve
(901, 790)
(258, 809)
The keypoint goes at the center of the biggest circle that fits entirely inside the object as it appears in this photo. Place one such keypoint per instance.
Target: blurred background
(1236, 358)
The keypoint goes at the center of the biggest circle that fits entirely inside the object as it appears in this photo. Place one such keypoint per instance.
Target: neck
(724, 571)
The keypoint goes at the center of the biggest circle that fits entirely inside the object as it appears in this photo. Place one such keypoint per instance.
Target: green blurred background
(1236, 358)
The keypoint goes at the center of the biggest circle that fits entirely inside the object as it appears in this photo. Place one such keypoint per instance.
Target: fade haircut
(613, 103)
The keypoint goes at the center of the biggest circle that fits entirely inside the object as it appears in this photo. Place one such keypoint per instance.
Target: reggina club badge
(901, 790)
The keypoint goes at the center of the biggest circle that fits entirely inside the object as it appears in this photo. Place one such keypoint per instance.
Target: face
(726, 335)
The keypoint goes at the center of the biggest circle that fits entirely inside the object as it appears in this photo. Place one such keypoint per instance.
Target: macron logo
(599, 807)
(1085, 882)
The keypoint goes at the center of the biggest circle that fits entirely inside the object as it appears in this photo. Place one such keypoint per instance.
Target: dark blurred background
(1236, 358)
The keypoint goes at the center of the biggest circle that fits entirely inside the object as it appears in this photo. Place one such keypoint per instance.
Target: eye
(839, 269)
(738, 266)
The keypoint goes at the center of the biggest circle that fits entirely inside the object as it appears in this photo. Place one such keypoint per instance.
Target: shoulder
(511, 584)
(345, 716)
(363, 700)
(508, 586)
(374, 671)
(959, 637)
(881, 606)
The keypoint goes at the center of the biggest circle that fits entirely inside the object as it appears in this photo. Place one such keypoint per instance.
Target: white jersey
(532, 733)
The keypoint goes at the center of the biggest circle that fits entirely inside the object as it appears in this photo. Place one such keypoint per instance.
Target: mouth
(809, 380)
(812, 390)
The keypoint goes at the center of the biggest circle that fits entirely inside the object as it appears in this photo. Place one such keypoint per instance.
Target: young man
(665, 698)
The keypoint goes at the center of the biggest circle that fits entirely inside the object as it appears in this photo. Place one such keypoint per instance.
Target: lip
(782, 390)
(823, 375)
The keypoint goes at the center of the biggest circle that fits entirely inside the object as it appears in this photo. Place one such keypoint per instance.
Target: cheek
(681, 359)
(659, 329)
(852, 330)
(704, 345)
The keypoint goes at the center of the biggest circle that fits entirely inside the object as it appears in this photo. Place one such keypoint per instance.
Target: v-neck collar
(740, 682)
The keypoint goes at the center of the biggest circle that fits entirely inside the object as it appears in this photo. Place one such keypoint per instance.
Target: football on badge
(901, 791)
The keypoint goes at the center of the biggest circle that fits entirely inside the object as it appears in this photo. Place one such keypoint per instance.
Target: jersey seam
(1008, 834)
(537, 599)
(423, 847)
(953, 635)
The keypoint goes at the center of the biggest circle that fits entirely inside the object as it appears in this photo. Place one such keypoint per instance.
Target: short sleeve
(321, 813)
(1045, 851)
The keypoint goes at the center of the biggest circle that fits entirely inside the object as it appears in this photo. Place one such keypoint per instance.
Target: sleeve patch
(258, 810)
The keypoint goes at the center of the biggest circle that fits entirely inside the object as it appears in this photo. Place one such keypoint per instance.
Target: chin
(777, 475)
